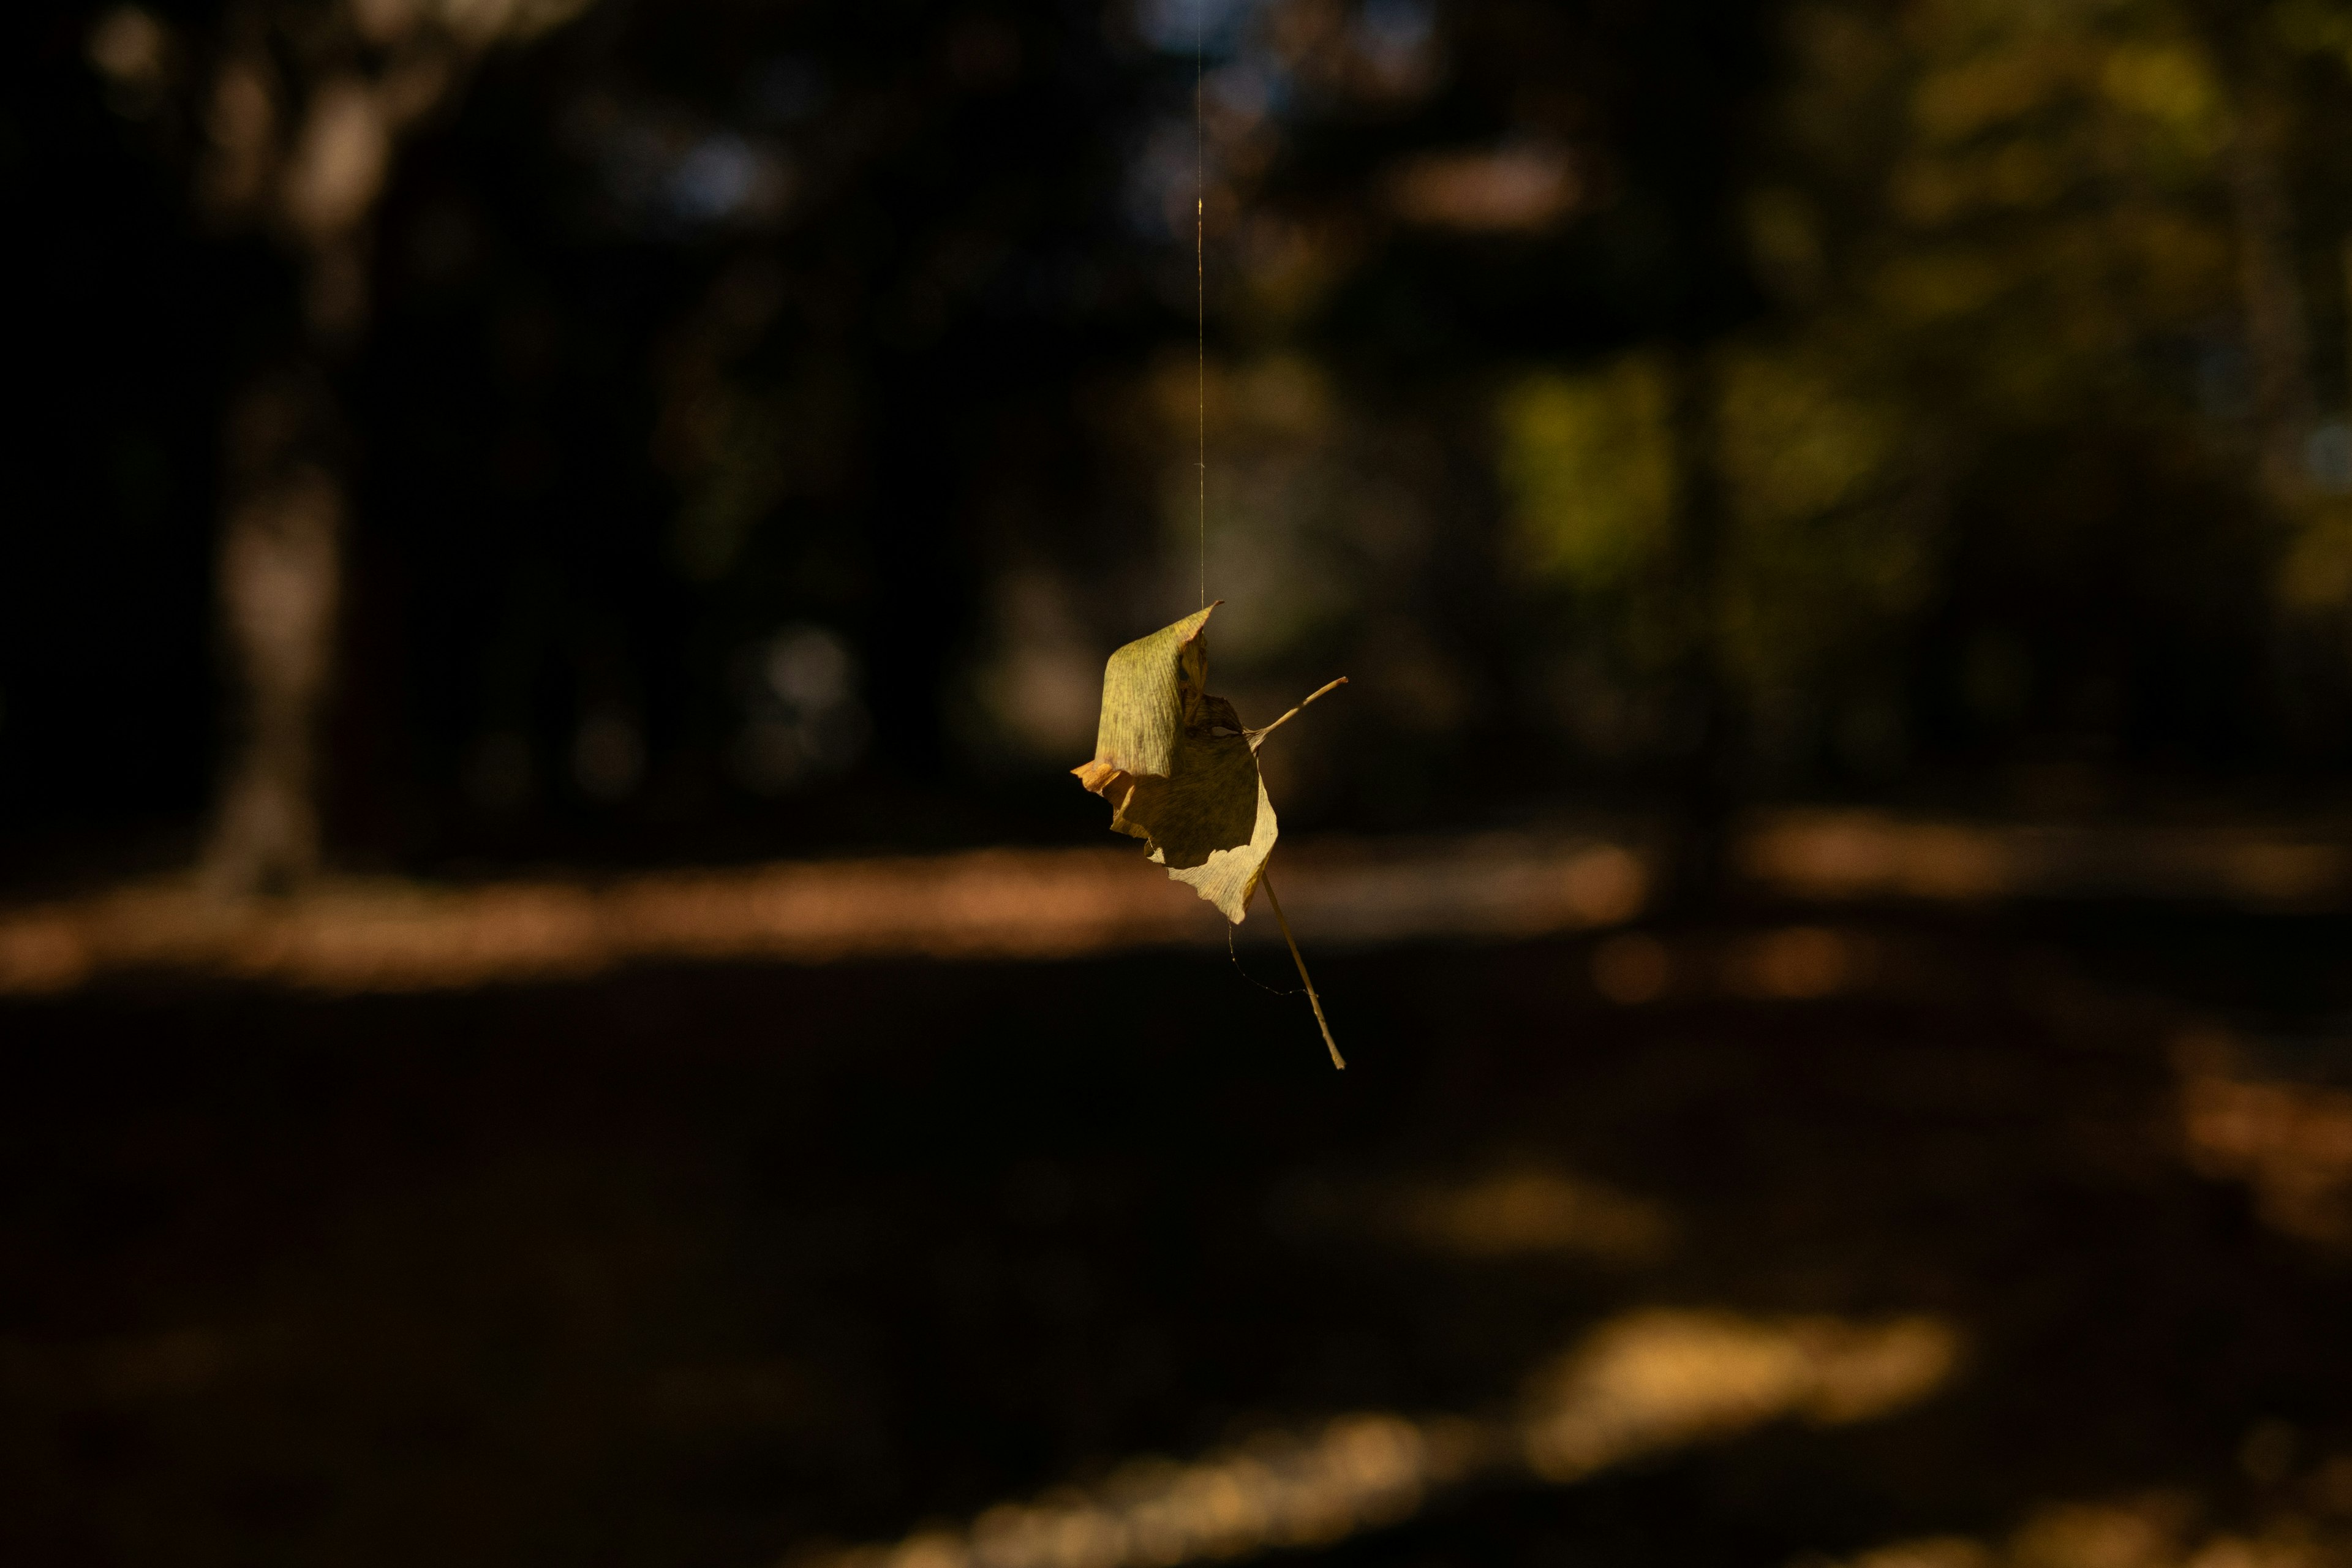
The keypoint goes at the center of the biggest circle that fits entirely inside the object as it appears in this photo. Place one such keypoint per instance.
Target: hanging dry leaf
(1178, 769)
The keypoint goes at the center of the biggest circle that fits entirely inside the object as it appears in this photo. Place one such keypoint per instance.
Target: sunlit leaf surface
(1178, 770)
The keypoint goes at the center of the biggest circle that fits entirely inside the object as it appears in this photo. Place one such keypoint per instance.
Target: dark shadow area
(710, 1265)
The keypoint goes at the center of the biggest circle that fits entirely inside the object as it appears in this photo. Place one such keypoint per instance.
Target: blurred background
(558, 1001)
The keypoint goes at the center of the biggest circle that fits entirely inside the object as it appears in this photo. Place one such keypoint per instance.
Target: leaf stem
(1257, 737)
(1312, 999)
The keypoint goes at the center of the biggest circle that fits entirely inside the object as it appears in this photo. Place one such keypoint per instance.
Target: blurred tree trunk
(305, 105)
(278, 580)
(300, 152)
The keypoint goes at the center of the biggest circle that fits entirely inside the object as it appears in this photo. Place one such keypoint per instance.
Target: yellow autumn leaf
(1180, 773)
(1179, 770)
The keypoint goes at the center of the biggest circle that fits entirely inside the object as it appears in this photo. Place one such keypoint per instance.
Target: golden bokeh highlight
(1645, 1382)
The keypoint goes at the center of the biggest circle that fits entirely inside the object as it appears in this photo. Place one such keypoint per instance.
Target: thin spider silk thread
(1201, 390)
(1201, 343)
(1201, 274)
(1246, 974)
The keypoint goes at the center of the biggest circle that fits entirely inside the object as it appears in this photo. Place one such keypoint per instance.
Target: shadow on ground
(722, 1265)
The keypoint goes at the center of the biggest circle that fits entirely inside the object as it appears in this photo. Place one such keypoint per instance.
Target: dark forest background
(458, 439)
(743, 427)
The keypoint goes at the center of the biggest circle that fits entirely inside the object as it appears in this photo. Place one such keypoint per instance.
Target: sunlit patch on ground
(390, 935)
(2160, 1530)
(2290, 1141)
(1523, 1209)
(1646, 1383)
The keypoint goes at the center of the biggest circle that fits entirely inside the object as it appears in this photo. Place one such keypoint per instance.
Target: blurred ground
(390, 933)
(732, 1264)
